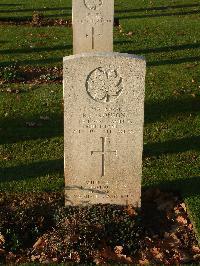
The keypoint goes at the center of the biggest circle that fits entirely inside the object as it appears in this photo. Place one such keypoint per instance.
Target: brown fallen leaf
(11, 256)
(131, 211)
(157, 254)
(177, 210)
(34, 258)
(183, 206)
(181, 220)
(2, 239)
(118, 249)
(97, 258)
(144, 262)
(75, 256)
(196, 257)
(107, 254)
(196, 249)
(39, 243)
(172, 240)
(99, 261)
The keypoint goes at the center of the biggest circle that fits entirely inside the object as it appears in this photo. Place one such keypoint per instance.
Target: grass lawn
(39, 46)
(23, 10)
(167, 33)
(31, 139)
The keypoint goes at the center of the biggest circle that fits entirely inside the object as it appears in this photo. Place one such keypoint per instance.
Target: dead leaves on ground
(29, 75)
(167, 239)
(2, 242)
(107, 254)
(176, 244)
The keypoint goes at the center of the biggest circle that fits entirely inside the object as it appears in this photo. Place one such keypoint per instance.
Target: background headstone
(104, 113)
(92, 25)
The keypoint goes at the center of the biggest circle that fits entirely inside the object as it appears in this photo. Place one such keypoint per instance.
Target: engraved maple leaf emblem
(104, 85)
(93, 4)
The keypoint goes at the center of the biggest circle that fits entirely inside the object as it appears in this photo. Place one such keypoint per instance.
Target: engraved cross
(92, 38)
(103, 152)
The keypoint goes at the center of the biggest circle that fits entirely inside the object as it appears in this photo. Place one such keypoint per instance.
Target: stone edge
(103, 54)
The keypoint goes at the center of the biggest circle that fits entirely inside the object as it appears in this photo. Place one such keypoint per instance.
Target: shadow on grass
(169, 49)
(31, 62)
(193, 12)
(59, 60)
(16, 129)
(16, 19)
(161, 111)
(28, 18)
(157, 8)
(172, 146)
(164, 49)
(123, 42)
(174, 61)
(33, 170)
(10, 5)
(35, 9)
(69, 46)
(36, 49)
(188, 186)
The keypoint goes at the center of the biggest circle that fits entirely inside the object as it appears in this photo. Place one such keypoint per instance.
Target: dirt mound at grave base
(37, 228)
(30, 75)
(38, 20)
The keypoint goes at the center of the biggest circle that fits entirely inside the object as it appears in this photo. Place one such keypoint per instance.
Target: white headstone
(103, 128)
(92, 25)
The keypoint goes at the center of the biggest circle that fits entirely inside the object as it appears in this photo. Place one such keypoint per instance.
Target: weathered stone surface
(103, 124)
(92, 25)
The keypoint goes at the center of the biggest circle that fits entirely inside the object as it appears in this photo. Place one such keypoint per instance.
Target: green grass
(31, 158)
(39, 46)
(23, 10)
(167, 34)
